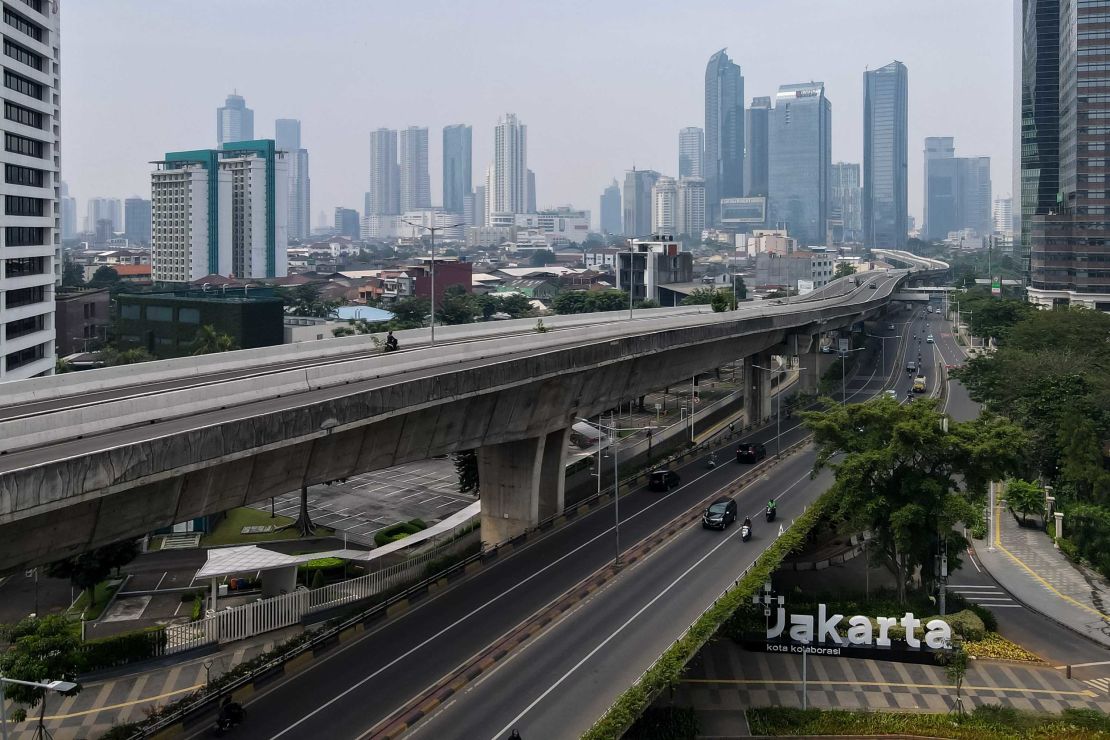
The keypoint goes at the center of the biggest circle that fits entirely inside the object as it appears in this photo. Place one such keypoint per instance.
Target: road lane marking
(1085, 665)
(724, 542)
(477, 609)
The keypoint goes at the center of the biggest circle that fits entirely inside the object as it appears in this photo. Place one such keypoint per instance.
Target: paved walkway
(724, 680)
(122, 699)
(1027, 565)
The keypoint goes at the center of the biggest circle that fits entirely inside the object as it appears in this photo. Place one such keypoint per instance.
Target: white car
(929, 339)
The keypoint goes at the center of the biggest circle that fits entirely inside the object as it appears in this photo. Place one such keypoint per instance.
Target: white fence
(244, 621)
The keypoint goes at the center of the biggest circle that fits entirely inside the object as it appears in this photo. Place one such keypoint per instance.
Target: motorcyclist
(748, 523)
(231, 712)
(770, 504)
(390, 342)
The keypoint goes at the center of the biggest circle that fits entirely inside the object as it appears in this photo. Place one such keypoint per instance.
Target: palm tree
(208, 341)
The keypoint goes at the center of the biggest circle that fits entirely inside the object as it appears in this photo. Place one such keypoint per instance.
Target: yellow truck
(919, 384)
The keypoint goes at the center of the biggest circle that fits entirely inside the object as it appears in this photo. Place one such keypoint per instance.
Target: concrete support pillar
(757, 388)
(811, 361)
(523, 482)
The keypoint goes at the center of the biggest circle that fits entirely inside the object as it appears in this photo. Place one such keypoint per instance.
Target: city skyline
(574, 156)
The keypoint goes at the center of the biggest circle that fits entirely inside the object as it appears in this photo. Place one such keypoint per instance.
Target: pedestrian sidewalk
(1025, 562)
(127, 698)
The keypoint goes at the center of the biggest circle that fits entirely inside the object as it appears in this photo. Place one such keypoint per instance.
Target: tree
(699, 297)
(901, 473)
(1081, 459)
(41, 648)
(111, 357)
(844, 269)
(84, 571)
(104, 276)
(73, 275)
(410, 313)
(607, 300)
(456, 306)
(209, 341)
(741, 289)
(541, 257)
(649, 303)
(1024, 497)
(954, 661)
(119, 554)
(720, 302)
(574, 301)
(305, 300)
(466, 466)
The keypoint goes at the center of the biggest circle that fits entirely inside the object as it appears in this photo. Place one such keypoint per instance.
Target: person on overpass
(390, 342)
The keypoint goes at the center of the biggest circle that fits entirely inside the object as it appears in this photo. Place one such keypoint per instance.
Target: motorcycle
(712, 462)
(771, 512)
(745, 532)
(230, 717)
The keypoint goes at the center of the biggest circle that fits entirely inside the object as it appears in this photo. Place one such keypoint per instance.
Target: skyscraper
(288, 137)
(531, 206)
(457, 180)
(507, 189)
(1002, 216)
(69, 213)
(234, 121)
(415, 184)
(1069, 243)
(723, 165)
(384, 196)
(957, 190)
(637, 202)
(690, 219)
(691, 149)
(1039, 115)
(801, 145)
(347, 222)
(104, 209)
(885, 127)
(136, 219)
(845, 202)
(29, 260)
(664, 206)
(611, 209)
(757, 146)
(973, 182)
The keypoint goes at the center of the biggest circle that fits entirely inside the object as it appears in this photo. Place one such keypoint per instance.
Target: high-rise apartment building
(234, 121)
(664, 206)
(845, 203)
(287, 134)
(384, 196)
(347, 222)
(415, 183)
(531, 206)
(507, 188)
(637, 201)
(757, 146)
(691, 149)
(220, 211)
(723, 165)
(885, 164)
(801, 146)
(690, 218)
(457, 159)
(136, 220)
(103, 209)
(610, 209)
(1002, 216)
(957, 191)
(1069, 242)
(69, 214)
(29, 259)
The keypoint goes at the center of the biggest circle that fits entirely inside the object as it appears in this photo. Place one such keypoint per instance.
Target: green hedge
(323, 564)
(665, 723)
(109, 652)
(398, 531)
(667, 670)
(434, 567)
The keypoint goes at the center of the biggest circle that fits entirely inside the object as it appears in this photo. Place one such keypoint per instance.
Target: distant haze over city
(601, 86)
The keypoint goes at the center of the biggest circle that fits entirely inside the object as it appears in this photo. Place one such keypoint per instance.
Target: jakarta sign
(822, 631)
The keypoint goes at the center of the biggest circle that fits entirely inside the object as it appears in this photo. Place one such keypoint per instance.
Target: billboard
(743, 210)
(996, 286)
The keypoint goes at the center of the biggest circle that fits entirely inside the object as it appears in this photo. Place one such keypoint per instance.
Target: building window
(159, 313)
(21, 84)
(23, 327)
(21, 205)
(21, 24)
(129, 311)
(24, 357)
(35, 5)
(19, 114)
(16, 175)
(24, 236)
(25, 296)
(189, 316)
(23, 54)
(17, 144)
(23, 266)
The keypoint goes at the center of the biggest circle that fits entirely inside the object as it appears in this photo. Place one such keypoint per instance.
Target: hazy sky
(602, 85)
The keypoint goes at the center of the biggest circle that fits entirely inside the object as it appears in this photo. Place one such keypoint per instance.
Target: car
(720, 514)
(662, 480)
(891, 393)
(890, 327)
(827, 349)
(750, 452)
(873, 286)
(919, 384)
(911, 367)
(929, 339)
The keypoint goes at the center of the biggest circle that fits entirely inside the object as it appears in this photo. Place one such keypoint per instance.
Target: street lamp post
(60, 686)
(433, 230)
(612, 430)
(778, 405)
(876, 336)
(844, 373)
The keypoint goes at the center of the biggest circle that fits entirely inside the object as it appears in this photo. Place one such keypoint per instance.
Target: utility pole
(433, 230)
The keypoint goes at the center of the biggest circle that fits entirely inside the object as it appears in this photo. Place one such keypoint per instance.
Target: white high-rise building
(30, 263)
(664, 206)
(69, 213)
(690, 219)
(288, 137)
(384, 195)
(234, 121)
(691, 148)
(1002, 216)
(248, 235)
(507, 178)
(104, 209)
(181, 242)
(415, 184)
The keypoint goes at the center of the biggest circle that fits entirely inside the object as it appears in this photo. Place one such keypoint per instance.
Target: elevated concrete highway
(99, 456)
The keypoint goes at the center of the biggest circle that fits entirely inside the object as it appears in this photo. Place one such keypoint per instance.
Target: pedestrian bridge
(94, 457)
